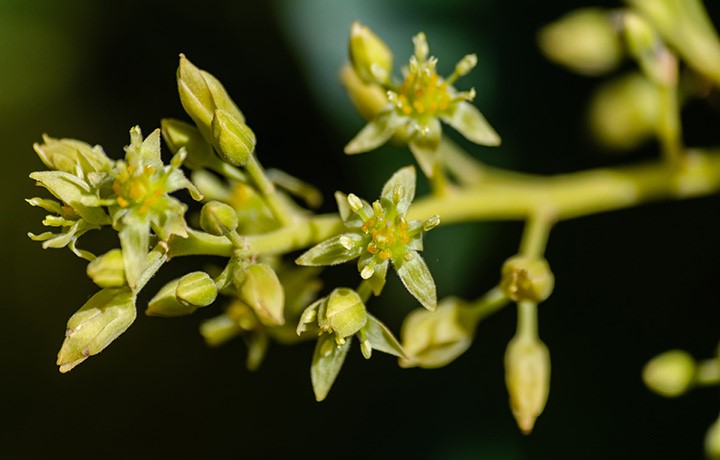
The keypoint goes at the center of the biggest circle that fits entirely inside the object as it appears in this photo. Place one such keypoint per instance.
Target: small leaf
(328, 359)
(469, 122)
(381, 338)
(378, 131)
(417, 279)
(329, 252)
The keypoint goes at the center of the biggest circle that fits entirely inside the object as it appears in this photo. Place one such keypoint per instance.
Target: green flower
(379, 233)
(140, 200)
(418, 103)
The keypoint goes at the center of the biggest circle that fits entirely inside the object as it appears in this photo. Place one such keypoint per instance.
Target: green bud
(196, 289)
(259, 287)
(435, 339)
(72, 156)
(218, 218)
(178, 134)
(368, 99)
(583, 40)
(527, 377)
(346, 313)
(623, 112)
(95, 325)
(670, 374)
(234, 141)
(712, 441)
(525, 278)
(370, 56)
(108, 270)
(166, 304)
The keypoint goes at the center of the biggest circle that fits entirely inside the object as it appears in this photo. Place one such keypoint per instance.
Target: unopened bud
(95, 325)
(196, 289)
(218, 330)
(527, 377)
(259, 287)
(166, 304)
(178, 134)
(645, 45)
(108, 269)
(368, 99)
(218, 218)
(346, 313)
(234, 141)
(583, 40)
(670, 374)
(370, 56)
(526, 278)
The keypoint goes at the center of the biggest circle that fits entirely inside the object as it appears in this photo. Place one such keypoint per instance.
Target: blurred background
(630, 284)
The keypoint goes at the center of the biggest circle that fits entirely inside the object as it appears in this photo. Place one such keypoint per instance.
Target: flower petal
(378, 131)
(134, 239)
(329, 252)
(469, 122)
(326, 364)
(381, 338)
(417, 279)
(403, 183)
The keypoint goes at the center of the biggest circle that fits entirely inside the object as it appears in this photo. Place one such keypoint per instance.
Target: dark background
(630, 284)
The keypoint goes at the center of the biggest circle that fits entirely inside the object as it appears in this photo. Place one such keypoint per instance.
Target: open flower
(379, 233)
(418, 103)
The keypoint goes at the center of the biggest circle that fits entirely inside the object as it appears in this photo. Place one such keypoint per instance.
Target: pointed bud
(369, 55)
(108, 270)
(346, 313)
(234, 141)
(166, 304)
(196, 289)
(525, 278)
(95, 325)
(218, 218)
(527, 377)
(670, 374)
(259, 287)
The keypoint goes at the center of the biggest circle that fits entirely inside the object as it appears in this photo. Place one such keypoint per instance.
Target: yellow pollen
(385, 255)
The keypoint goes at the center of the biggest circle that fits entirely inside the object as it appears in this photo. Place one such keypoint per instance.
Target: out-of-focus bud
(196, 289)
(670, 374)
(527, 278)
(370, 56)
(527, 377)
(435, 339)
(108, 270)
(234, 141)
(583, 40)
(259, 287)
(95, 325)
(346, 313)
(218, 218)
(72, 156)
(368, 98)
(178, 134)
(623, 113)
(658, 63)
(712, 441)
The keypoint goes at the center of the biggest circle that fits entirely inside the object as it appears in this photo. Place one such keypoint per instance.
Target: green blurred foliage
(629, 284)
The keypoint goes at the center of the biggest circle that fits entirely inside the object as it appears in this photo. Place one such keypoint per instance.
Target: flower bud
(259, 287)
(178, 134)
(345, 312)
(527, 377)
(435, 339)
(196, 289)
(670, 374)
(525, 278)
(368, 99)
(219, 330)
(584, 40)
(623, 113)
(370, 56)
(712, 441)
(645, 45)
(218, 218)
(108, 270)
(234, 141)
(95, 325)
(166, 304)
(72, 156)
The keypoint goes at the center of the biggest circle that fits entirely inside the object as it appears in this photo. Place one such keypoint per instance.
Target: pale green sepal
(309, 316)
(327, 361)
(381, 338)
(425, 155)
(234, 141)
(134, 236)
(378, 131)
(144, 152)
(48, 205)
(343, 206)
(71, 190)
(259, 287)
(346, 313)
(400, 189)
(170, 221)
(417, 279)
(166, 304)
(219, 330)
(329, 252)
(176, 180)
(471, 123)
(378, 278)
(95, 325)
(178, 134)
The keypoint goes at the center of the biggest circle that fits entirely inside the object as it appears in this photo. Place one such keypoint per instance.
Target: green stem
(155, 259)
(535, 236)
(267, 190)
(527, 321)
(494, 300)
(669, 128)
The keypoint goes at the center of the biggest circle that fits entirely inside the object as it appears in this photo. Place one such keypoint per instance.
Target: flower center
(423, 92)
(389, 232)
(135, 187)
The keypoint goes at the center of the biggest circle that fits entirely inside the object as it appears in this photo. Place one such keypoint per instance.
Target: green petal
(425, 156)
(378, 131)
(381, 338)
(73, 191)
(377, 280)
(469, 122)
(329, 252)
(400, 189)
(134, 239)
(326, 364)
(343, 206)
(417, 279)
